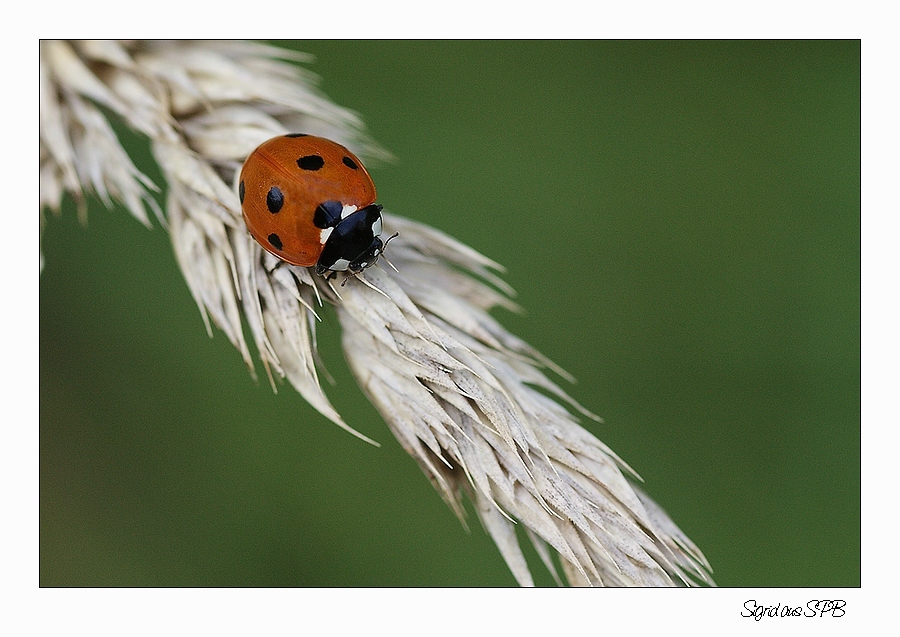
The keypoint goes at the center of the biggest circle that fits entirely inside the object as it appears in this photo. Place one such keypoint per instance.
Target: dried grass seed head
(469, 401)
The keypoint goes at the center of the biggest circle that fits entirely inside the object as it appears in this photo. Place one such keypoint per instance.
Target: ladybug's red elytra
(310, 201)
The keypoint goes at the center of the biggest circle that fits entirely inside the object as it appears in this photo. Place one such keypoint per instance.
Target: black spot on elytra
(241, 191)
(310, 162)
(296, 135)
(349, 163)
(275, 240)
(327, 214)
(275, 199)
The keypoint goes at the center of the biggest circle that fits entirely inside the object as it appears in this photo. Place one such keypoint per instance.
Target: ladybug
(310, 201)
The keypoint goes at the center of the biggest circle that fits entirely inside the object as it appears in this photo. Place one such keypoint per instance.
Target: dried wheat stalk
(468, 400)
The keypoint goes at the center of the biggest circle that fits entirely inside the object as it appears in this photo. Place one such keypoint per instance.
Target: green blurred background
(681, 221)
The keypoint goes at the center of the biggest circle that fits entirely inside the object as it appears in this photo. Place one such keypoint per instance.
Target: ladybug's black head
(355, 243)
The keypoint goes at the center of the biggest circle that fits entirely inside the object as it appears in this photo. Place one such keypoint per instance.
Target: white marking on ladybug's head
(340, 265)
(376, 227)
(348, 210)
(324, 233)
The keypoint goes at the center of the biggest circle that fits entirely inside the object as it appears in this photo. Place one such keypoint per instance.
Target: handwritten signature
(813, 608)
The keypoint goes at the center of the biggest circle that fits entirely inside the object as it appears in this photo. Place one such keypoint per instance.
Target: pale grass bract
(471, 403)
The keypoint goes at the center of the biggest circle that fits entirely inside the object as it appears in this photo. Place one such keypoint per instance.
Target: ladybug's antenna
(388, 240)
(393, 267)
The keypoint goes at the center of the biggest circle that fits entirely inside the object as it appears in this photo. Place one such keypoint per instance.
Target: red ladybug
(310, 201)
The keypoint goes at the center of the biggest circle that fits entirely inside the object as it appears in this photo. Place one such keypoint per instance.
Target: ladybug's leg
(350, 276)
